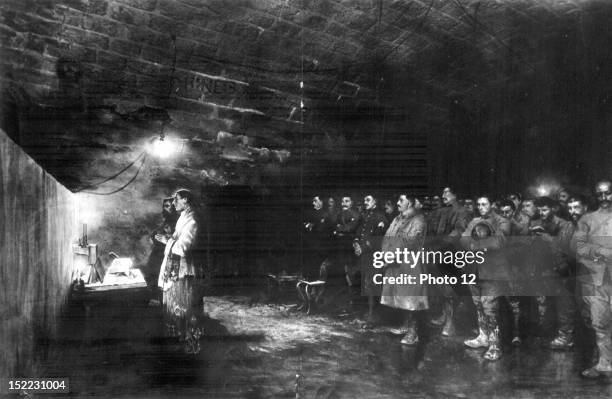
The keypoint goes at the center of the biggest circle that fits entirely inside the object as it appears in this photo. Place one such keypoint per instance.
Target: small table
(279, 283)
(118, 309)
(311, 298)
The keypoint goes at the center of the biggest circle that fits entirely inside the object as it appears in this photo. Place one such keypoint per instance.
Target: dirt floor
(254, 349)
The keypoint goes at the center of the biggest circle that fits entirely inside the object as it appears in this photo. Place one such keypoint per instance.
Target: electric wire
(141, 155)
(126, 184)
(95, 185)
(301, 71)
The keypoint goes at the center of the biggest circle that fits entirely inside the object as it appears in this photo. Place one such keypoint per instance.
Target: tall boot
(516, 321)
(594, 355)
(347, 277)
(449, 325)
(563, 340)
(350, 287)
(604, 364)
(542, 323)
(411, 337)
(494, 351)
(438, 321)
(566, 317)
(482, 340)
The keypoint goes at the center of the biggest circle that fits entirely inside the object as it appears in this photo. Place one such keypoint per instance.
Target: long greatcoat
(405, 232)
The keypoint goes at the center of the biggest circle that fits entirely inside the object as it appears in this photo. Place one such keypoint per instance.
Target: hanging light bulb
(542, 191)
(163, 147)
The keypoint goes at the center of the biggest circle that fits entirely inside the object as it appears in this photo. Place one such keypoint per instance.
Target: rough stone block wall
(231, 61)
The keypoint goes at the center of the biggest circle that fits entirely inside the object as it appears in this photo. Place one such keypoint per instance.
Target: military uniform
(369, 238)
(318, 241)
(593, 238)
(348, 222)
(445, 227)
(492, 279)
(551, 262)
(405, 232)
(519, 280)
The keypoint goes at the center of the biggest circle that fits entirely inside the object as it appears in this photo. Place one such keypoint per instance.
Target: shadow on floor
(254, 349)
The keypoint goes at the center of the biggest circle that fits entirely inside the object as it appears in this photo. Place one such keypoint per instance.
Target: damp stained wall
(38, 224)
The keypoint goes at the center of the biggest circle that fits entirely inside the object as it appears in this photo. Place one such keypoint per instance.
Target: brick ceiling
(248, 67)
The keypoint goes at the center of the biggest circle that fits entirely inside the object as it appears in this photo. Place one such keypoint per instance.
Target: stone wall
(222, 61)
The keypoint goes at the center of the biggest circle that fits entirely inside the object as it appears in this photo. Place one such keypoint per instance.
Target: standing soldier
(447, 227)
(331, 219)
(368, 241)
(488, 232)
(515, 253)
(317, 227)
(577, 207)
(407, 231)
(594, 249)
(347, 224)
(555, 235)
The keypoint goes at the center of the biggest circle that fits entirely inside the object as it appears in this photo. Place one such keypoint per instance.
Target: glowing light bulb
(542, 191)
(163, 148)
